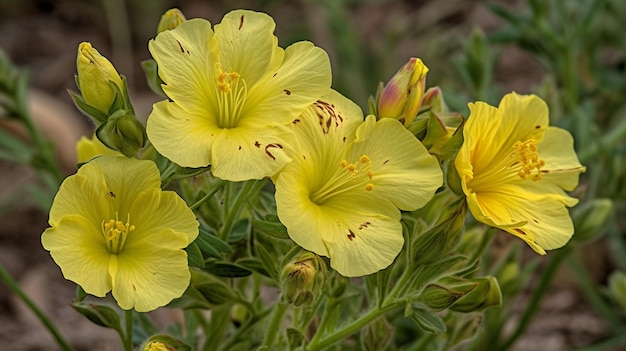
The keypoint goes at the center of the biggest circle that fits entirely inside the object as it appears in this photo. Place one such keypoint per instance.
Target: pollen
(527, 161)
(343, 164)
(351, 167)
(231, 96)
(369, 186)
(364, 159)
(115, 233)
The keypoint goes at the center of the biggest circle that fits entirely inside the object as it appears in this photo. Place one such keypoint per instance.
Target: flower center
(527, 162)
(231, 96)
(115, 233)
(357, 176)
(522, 162)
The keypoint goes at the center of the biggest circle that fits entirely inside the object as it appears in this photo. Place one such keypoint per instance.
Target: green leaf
(254, 265)
(226, 269)
(194, 255)
(424, 318)
(96, 115)
(270, 227)
(100, 314)
(268, 261)
(210, 245)
(17, 151)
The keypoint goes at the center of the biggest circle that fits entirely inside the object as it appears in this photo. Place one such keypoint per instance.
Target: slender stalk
(351, 328)
(6, 278)
(209, 195)
(234, 209)
(538, 293)
(275, 324)
(217, 324)
(128, 340)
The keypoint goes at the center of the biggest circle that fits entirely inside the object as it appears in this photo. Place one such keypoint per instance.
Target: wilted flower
(514, 169)
(114, 229)
(229, 92)
(341, 195)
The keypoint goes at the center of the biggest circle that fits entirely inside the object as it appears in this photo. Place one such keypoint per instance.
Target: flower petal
(249, 153)
(155, 212)
(403, 170)
(562, 165)
(241, 33)
(186, 59)
(148, 276)
(185, 138)
(77, 246)
(303, 78)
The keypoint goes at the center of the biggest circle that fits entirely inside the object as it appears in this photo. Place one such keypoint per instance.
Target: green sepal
(226, 269)
(96, 115)
(150, 69)
(194, 255)
(294, 338)
(100, 314)
(81, 294)
(211, 246)
(424, 318)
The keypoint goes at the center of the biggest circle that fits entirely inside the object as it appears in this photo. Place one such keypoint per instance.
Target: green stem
(486, 239)
(351, 328)
(219, 185)
(538, 293)
(217, 324)
(6, 278)
(236, 336)
(234, 209)
(275, 324)
(128, 340)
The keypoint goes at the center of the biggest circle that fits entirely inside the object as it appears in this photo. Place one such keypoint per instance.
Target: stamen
(231, 96)
(115, 233)
(527, 160)
(348, 177)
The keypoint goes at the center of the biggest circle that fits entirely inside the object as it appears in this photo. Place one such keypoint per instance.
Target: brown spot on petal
(287, 92)
(182, 49)
(351, 236)
(521, 232)
(111, 194)
(257, 144)
(269, 146)
(240, 22)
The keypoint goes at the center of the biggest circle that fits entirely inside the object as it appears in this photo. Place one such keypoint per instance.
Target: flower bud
(438, 297)
(480, 293)
(402, 96)
(95, 76)
(164, 343)
(122, 132)
(299, 279)
(170, 20)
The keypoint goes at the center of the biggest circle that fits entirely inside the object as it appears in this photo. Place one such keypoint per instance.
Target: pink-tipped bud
(402, 96)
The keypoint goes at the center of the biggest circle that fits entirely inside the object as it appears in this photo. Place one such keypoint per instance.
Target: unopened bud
(402, 96)
(298, 279)
(122, 132)
(170, 20)
(95, 76)
(433, 100)
(164, 343)
(480, 293)
(438, 297)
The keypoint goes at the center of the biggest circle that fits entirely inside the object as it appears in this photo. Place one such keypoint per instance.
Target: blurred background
(571, 53)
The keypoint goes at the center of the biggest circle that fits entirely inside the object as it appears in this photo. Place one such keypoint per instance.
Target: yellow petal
(185, 138)
(303, 77)
(248, 153)
(247, 44)
(186, 64)
(76, 245)
(562, 165)
(157, 212)
(149, 276)
(403, 170)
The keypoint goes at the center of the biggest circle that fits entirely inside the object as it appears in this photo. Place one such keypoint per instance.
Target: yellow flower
(114, 229)
(342, 194)
(229, 92)
(514, 169)
(88, 148)
(95, 75)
